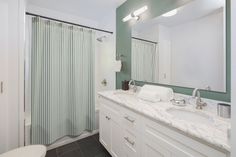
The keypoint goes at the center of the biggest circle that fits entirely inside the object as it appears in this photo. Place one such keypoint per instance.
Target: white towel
(117, 65)
(153, 93)
(149, 96)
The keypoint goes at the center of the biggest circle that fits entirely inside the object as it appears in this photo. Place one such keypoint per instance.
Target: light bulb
(170, 13)
(140, 11)
(135, 14)
(127, 18)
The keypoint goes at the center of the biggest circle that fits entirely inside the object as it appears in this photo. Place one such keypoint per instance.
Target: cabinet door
(104, 130)
(116, 137)
(3, 75)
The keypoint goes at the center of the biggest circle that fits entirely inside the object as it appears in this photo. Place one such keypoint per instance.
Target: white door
(116, 136)
(3, 75)
(104, 129)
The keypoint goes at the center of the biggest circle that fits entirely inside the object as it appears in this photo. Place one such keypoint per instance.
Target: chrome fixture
(104, 82)
(199, 103)
(67, 22)
(129, 141)
(102, 38)
(179, 102)
(133, 87)
(136, 14)
(208, 88)
(129, 119)
(1, 87)
(119, 56)
(108, 118)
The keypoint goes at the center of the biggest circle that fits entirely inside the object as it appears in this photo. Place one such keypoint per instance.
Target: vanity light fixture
(135, 14)
(140, 11)
(127, 18)
(170, 13)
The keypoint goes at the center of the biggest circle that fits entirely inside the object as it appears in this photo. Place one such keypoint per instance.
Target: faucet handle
(134, 87)
(200, 104)
(132, 81)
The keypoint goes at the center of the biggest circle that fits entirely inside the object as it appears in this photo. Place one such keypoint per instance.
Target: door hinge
(1, 87)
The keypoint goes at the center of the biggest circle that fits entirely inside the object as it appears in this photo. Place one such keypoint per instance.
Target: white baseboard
(67, 140)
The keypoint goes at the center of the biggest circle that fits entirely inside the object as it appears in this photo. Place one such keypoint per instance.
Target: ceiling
(90, 9)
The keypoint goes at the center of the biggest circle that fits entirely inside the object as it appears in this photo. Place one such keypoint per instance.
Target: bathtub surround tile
(87, 147)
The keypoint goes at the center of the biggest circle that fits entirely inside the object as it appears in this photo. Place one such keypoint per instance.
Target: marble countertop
(214, 132)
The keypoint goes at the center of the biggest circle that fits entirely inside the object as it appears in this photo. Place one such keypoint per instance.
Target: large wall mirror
(184, 47)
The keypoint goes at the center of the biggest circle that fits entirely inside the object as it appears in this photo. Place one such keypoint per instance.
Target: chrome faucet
(132, 86)
(199, 103)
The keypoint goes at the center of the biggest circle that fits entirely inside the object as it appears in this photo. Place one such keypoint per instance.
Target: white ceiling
(90, 9)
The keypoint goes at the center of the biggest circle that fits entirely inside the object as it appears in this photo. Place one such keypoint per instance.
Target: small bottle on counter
(125, 85)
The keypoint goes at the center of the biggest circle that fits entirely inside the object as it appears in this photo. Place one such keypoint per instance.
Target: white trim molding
(21, 42)
(233, 78)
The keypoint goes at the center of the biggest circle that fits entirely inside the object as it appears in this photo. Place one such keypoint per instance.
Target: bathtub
(64, 140)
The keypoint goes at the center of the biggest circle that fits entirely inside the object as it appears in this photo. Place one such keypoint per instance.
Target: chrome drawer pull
(108, 118)
(131, 120)
(128, 140)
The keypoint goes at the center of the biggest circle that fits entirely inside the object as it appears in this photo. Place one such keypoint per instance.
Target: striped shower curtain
(144, 61)
(62, 80)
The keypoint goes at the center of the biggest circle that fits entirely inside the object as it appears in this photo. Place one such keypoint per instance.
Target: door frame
(233, 77)
(21, 60)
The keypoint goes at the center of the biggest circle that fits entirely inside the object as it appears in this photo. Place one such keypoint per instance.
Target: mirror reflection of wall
(186, 49)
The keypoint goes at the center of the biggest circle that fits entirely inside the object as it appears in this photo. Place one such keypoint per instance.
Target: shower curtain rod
(49, 18)
(153, 42)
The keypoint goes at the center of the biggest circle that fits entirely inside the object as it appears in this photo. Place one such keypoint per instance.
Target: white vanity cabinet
(125, 133)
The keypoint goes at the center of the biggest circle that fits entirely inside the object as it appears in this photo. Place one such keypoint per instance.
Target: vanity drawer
(131, 144)
(131, 120)
(175, 142)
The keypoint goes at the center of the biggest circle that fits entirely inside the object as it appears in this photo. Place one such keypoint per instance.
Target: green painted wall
(157, 8)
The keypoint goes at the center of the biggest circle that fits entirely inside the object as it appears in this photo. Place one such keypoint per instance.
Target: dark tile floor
(87, 147)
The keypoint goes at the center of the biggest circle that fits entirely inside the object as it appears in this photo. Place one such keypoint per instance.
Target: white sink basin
(191, 116)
